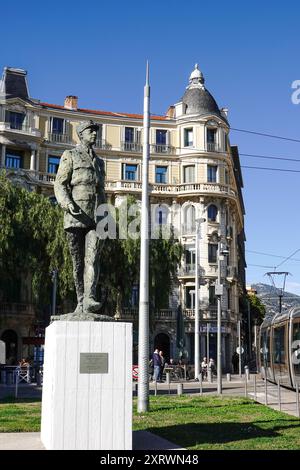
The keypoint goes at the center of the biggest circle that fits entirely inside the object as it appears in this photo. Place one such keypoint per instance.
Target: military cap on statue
(85, 125)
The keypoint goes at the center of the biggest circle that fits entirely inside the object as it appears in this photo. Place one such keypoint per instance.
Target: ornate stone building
(194, 174)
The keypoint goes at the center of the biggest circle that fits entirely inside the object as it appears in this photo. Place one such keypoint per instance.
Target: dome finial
(196, 78)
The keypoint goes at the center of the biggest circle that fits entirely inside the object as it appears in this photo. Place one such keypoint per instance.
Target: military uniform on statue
(79, 190)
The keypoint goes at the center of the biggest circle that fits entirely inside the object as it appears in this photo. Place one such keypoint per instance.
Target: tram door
(280, 356)
(295, 352)
(265, 356)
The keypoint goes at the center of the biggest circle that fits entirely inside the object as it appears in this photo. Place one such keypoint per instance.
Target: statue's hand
(72, 210)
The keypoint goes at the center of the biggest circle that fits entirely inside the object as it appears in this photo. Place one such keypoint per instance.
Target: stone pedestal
(87, 386)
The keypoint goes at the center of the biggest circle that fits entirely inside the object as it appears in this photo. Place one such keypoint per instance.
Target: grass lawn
(219, 423)
(191, 421)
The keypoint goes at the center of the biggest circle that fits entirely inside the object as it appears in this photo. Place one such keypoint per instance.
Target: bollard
(200, 384)
(255, 395)
(297, 400)
(246, 386)
(266, 391)
(179, 389)
(247, 372)
(279, 395)
(228, 377)
(155, 388)
(168, 378)
(209, 375)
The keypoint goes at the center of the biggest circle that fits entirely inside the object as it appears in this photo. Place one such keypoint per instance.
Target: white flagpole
(143, 359)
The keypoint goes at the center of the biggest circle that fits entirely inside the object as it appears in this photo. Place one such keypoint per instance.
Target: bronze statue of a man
(79, 189)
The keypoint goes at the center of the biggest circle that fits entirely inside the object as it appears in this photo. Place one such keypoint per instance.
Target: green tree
(32, 244)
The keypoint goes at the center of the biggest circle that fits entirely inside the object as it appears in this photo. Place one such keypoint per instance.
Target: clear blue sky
(248, 52)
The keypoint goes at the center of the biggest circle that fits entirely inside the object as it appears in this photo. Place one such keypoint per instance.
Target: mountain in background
(269, 296)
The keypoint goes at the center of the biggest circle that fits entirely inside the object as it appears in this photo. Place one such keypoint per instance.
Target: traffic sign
(240, 350)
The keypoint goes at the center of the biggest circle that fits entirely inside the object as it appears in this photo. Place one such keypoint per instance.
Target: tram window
(296, 348)
(279, 351)
(265, 348)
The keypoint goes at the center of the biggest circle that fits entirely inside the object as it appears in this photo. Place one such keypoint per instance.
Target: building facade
(194, 174)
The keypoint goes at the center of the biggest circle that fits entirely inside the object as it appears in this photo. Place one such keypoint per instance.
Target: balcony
(207, 313)
(162, 148)
(131, 314)
(188, 229)
(102, 144)
(173, 189)
(187, 270)
(60, 138)
(213, 147)
(19, 129)
(132, 147)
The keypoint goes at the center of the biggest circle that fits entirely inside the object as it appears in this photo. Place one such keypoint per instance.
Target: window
(190, 256)
(57, 125)
(279, 350)
(161, 136)
(190, 297)
(132, 139)
(212, 299)
(212, 252)
(189, 174)
(13, 159)
(211, 135)
(161, 174)
(188, 137)
(212, 173)
(162, 215)
(129, 134)
(53, 163)
(99, 135)
(130, 172)
(212, 213)
(189, 219)
(16, 120)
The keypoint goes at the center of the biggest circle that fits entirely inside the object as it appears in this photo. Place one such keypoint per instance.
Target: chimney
(171, 112)
(71, 102)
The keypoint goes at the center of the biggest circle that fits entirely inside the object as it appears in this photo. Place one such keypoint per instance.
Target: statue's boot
(91, 273)
(79, 309)
(90, 305)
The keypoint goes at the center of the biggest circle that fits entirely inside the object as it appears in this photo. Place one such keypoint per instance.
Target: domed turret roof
(197, 98)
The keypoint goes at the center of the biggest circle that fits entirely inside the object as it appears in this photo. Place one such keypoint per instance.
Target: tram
(279, 357)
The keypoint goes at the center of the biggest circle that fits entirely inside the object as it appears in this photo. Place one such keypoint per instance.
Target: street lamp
(219, 293)
(197, 317)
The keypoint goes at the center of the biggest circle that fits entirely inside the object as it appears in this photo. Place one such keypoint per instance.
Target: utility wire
(270, 169)
(269, 254)
(286, 259)
(265, 135)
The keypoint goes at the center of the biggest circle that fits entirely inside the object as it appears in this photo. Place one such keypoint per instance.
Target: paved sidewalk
(142, 440)
(288, 397)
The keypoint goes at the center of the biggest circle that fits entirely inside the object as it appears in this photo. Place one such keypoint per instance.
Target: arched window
(212, 213)
(189, 219)
(162, 213)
